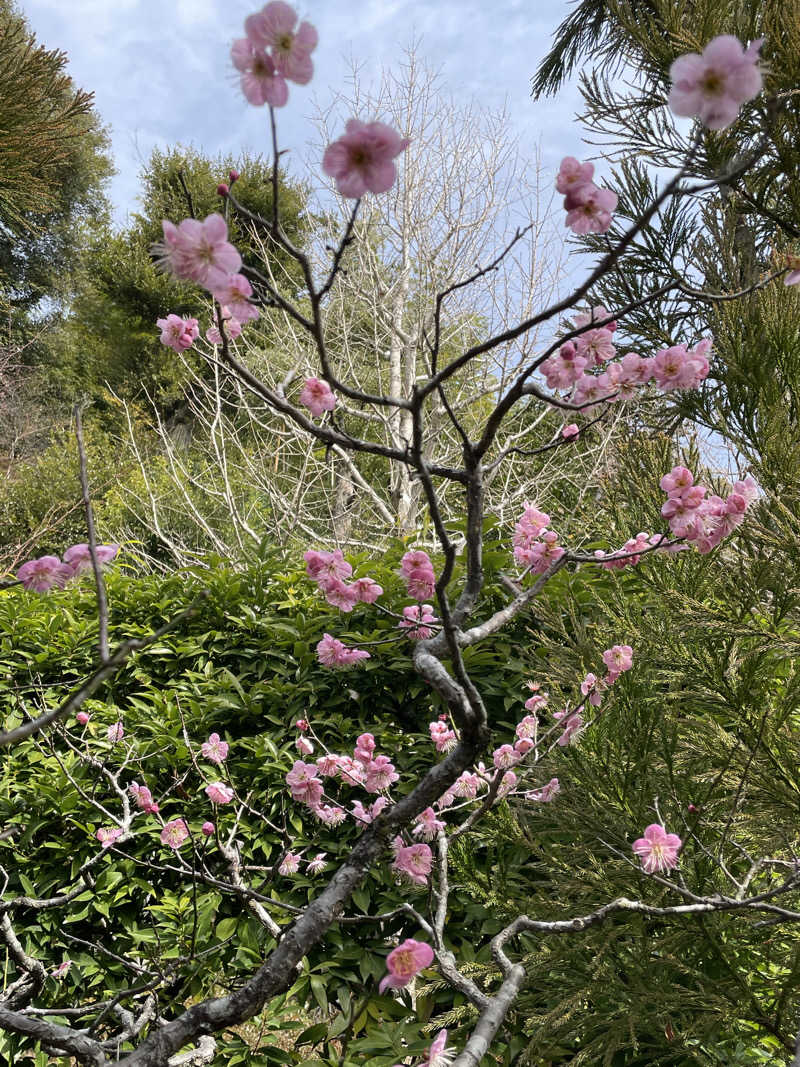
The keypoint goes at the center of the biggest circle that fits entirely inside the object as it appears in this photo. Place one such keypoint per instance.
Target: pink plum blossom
(318, 864)
(793, 277)
(328, 765)
(657, 850)
(290, 864)
(570, 431)
(199, 251)
(352, 771)
(261, 80)
(362, 159)
(177, 333)
(115, 732)
(714, 85)
(618, 658)
(61, 971)
(82, 718)
(547, 792)
(572, 723)
(438, 1055)
(214, 750)
(107, 835)
(332, 653)
(368, 814)
(414, 862)
(317, 396)
(219, 793)
(174, 833)
(505, 757)
(589, 209)
(380, 775)
(234, 295)
(528, 727)
(330, 814)
(442, 736)
(366, 590)
(417, 621)
(341, 596)
(507, 784)
(405, 962)
(573, 174)
(427, 826)
(467, 785)
(79, 557)
(275, 27)
(143, 797)
(596, 346)
(365, 748)
(302, 781)
(304, 746)
(321, 566)
(45, 573)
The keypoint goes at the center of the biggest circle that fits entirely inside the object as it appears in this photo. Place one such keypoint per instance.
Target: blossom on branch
(219, 793)
(361, 160)
(657, 850)
(714, 85)
(45, 573)
(414, 862)
(317, 396)
(174, 833)
(79, 557)
(261, 81)
(275, 28)
(405, 962)
(177, 333)
(332, 653)
(215, 750)
(198, 251)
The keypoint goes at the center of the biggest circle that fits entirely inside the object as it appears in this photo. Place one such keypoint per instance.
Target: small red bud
(302, 725)
(233, 176)
(223, 189)
(692, 809)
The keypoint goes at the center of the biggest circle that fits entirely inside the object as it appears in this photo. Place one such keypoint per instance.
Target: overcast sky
(161, 73)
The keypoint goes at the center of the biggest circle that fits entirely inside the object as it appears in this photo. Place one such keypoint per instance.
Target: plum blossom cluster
(177, 333)
(417, 570)
(375, 774)
(329, 570)
(588, 207)
(587, 368)
(49, 572)
(535, 546)
(200, 252)
(713, 86)
(275, 50)
(699, 519)
(569, 723)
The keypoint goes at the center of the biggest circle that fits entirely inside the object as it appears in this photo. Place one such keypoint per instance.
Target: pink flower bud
(222, 189)
(82, 717)
(233, 176)
(207, 829)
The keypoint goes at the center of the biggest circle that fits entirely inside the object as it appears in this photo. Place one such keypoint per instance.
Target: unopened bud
(223, 189)
(233, 176)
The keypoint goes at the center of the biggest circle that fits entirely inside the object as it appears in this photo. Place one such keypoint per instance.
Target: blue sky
(161, 73)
